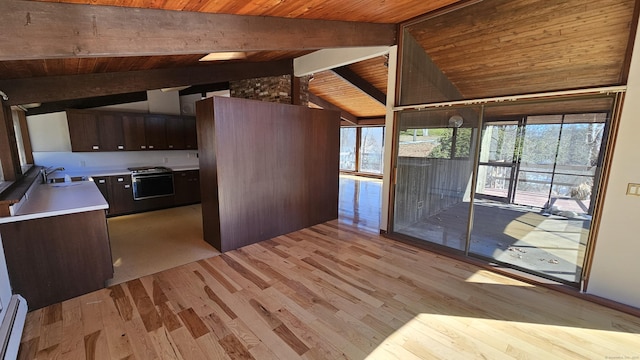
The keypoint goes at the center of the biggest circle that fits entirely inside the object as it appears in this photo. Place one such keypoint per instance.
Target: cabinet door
(190, 133)
(56, 258)
(111, 132)
(121, 195)
(134, 136)
(103, 184)
(155, 132)
(83, 130)
(181, 187)
(175, 133)
(187, 187)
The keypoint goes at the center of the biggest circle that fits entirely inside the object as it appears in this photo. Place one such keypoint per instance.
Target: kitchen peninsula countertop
(46, 200)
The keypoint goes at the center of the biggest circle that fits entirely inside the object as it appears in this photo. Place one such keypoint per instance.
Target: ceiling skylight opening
(229, 55)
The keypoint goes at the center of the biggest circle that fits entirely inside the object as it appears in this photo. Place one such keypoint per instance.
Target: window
(435, 143)
(348, 149)
(362, 149)
(371, 150)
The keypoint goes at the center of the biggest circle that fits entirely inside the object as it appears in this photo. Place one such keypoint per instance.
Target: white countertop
(109, 172)
(59, 199)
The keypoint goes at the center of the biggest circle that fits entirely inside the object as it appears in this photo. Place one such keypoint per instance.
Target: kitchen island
(56, 243)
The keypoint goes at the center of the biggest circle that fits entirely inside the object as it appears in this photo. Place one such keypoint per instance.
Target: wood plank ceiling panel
(344, 95)
(519, 46)
(390, 11)
(374, 71)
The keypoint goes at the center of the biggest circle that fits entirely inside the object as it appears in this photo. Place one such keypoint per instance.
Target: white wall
(161, 102)
(49, 132)
(615, 273)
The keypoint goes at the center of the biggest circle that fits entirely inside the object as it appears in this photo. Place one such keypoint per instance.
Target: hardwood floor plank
(114, 330)
(234, 348)
(224, 281)
(212, 295)
(193, 323)
(52, 314)
(28, 349)
(72, 345)
(141, 344)
(121, 301)
(244, 272)
(146, 309)
(291, 339)
(186, 345)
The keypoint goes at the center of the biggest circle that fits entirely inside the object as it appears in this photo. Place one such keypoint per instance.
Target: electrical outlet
(633, 189)
(83, 163)
(165, 160)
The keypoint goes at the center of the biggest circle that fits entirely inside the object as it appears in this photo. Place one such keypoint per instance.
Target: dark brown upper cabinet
(175, 131)
(134, 133)
(92, 130)
(83, 131)
(190, 133)
(110, 132)
(155, 132)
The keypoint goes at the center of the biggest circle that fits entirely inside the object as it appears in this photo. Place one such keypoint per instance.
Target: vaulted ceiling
(483, 48)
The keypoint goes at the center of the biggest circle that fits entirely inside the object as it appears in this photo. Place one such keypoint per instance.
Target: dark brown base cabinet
(187, 187)
(56, 258)
(118, 192)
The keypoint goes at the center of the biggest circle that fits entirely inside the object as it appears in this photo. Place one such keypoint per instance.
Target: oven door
(146, 186)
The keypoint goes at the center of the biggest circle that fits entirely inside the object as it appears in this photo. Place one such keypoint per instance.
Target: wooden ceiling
(506, 47)
(484, 48)
(377, 11)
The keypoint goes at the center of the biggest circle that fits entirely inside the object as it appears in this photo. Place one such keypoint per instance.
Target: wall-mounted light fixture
(455, 121)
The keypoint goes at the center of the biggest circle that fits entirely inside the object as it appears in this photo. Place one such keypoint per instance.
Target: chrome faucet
(48, 171)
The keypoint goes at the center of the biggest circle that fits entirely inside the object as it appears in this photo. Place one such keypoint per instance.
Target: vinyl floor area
(146, 243)
(331, 291)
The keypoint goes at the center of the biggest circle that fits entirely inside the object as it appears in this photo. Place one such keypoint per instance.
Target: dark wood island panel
(266, 169)
(52, 259)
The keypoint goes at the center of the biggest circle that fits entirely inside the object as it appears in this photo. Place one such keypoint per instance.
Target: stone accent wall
(272, 89)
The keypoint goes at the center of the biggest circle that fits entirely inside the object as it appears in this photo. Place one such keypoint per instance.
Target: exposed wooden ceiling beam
(378, 121)
(205, 88)
(344, 115)
(42, 30)
(327, 59)
(57, 88)
(362, 84)
(87, 103)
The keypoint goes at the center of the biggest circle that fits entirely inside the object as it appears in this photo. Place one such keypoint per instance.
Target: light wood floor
(332, 291)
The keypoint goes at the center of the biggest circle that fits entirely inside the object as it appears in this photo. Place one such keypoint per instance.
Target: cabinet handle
(170, 146)
(127, 186)
(120, 179)
(95, 147)
(101, 181)
(143, 147)
(120, 147)
(150, 146)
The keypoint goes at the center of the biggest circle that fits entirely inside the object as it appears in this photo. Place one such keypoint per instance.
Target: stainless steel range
(151, 182)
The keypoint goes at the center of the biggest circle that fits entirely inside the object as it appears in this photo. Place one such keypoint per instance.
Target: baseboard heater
(12, 326)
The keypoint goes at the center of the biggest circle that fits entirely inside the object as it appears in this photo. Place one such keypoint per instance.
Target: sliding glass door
(533, 180)
(436, 151)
